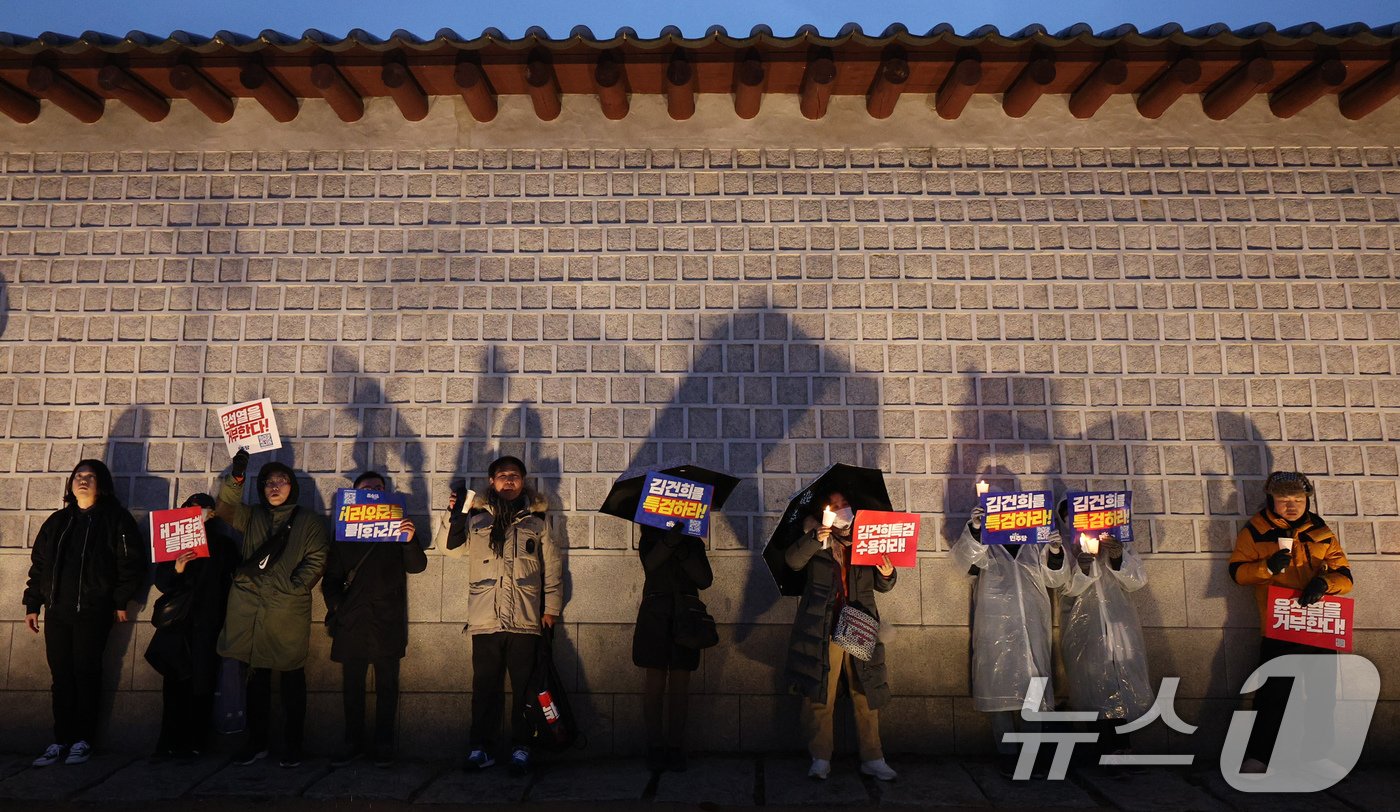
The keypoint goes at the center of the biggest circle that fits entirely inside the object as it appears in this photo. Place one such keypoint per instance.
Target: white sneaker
(878, 770)
(820, 769)
(79, 753)
(52, 755)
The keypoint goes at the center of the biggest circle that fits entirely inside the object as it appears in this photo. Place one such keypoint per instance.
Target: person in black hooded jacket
(87, 565)
(366, 592)
(188, 617)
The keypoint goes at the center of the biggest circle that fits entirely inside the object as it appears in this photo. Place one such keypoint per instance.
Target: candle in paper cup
(1285, 543)
(828, 516)
(982, 488)
(1089, 544)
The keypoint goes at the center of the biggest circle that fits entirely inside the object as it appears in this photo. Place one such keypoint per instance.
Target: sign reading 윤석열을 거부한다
(669, 501)
(1326, 623)
(368, 516)
(176, 531)
(250, 426)
(1020, 517)
(1102, 511)
(879, 533)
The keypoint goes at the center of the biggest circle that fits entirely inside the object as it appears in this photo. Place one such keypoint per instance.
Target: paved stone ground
(712, 782)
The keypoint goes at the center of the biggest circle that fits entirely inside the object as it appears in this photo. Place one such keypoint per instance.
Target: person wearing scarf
(1316, 565)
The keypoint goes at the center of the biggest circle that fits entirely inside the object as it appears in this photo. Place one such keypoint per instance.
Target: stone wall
(1176, 307)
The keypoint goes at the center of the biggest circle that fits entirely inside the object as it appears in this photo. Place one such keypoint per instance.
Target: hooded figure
(1101, 640)
(268, 625)
(1314, 564)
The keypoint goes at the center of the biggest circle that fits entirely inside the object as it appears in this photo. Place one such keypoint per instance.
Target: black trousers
(74, 649)
(292, 685)
(185, 717)
(1271, 700)
(386, 699)
(493, 656)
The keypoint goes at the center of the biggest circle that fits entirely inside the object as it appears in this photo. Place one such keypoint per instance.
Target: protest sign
(879, 533)
(668, 501)
(368, 516)
(1021, 517)
(1324, 624)
(1102, 511)
(175, 531)
(250, 426)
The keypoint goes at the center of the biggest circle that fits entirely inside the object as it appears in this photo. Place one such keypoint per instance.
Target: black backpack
(548, 715)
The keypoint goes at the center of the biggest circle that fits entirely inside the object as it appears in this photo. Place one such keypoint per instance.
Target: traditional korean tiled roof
(1295, 67)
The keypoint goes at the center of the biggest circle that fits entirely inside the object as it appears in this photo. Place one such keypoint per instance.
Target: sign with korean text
(176, 531)
(1102, 511)
(669, 501)
(1021, 517)
(368, 516)
(250, 426)
(879, 533)
(1324, 624)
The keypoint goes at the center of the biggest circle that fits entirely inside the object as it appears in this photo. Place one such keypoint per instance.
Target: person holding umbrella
(815, 663)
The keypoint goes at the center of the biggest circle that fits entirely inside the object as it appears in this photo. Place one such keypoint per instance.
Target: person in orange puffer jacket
(1316, 565)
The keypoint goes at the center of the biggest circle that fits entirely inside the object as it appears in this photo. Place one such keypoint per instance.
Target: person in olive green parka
(268, 625)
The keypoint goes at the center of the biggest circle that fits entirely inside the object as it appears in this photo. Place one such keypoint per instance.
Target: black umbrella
(864, 489)
(627, 490)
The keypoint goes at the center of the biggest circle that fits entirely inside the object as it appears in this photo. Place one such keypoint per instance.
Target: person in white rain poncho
(1101, 638)
(1010, 626)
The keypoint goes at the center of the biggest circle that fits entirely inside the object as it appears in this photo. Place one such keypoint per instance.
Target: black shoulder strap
(267, 554)
(350, 576)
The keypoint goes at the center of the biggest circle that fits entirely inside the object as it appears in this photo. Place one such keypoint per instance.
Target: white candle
(1089, 544)
(828, 516)
(982, 488)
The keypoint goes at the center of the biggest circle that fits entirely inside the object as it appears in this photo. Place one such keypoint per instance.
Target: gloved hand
(1313, 592)
(239, 469)
(1110, 546)
(1279, 561)
(977, 518)
(1086, 560)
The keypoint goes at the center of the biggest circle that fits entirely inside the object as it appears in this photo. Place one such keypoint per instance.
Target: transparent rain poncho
(1010, 620)
(1101, 637)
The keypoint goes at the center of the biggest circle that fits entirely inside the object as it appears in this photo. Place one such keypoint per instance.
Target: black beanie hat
(507, 460)
(201, 500)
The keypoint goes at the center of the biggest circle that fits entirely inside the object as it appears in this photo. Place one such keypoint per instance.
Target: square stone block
(728, 782)
(14, 574)
(1213, 599)
(748, 660)
(1162, 602)
(744, 592)
(769, 722)
(438, 659)
(928, 660)
(425, 592)
(605, 658)
(917, 724)
(601, 588)
(148, 780)
(930, 783)
(946, 592)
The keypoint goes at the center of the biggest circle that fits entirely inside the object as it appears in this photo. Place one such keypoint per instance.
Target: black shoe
(290, 759)
(347, 755)
(249, 754)
(384, 756)
(656, 758)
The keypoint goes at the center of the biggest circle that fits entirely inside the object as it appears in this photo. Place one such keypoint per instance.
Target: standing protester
(366, 591)
(815, 662)
(1010, 628)
(87, 565)
(188, 617)
(1316, 565)
(675, 567)
(1101, 640)
(516, 593)
(269, 607)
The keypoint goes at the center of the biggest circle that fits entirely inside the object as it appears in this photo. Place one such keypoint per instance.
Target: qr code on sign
(264, 441)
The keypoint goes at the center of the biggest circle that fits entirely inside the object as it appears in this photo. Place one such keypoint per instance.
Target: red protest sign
(175, 531)
(878, 533)
(1325, 624)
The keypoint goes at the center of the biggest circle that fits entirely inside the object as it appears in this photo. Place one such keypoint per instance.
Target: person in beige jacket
(516, 578)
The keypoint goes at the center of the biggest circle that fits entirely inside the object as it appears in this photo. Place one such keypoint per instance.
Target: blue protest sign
(669, 501)
(1095, 512)
(368, 516)
(1022, 517)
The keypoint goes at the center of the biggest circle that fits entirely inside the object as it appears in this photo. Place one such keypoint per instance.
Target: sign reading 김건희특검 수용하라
(879, 533)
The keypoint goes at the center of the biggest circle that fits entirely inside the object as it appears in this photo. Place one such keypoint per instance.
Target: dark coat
(100, 555)
(268, 624)
(369, 619)
(808, 668)
(675, 565)
(190, 644)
